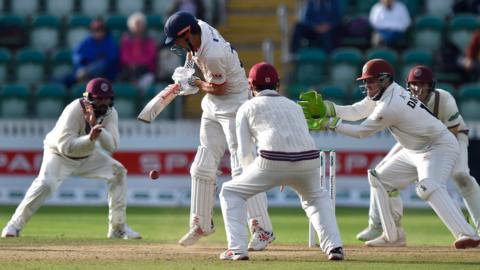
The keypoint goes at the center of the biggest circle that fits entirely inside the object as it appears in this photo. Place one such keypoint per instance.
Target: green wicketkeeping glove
(314, 107)
(324, 123)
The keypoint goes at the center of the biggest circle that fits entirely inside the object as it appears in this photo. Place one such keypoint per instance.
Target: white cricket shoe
(369, 233)
(465, 241)
(194, 235)
(336, 254)
(10, 231)
(381, 241)
(122, 231)
(260, 239)
(229, 255)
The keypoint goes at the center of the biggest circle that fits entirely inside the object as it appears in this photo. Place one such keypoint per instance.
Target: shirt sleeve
(216, 70)
(357, 111)
(244, 138)
(69, 142)
(377, 121)
(452, 114)
(109, 136)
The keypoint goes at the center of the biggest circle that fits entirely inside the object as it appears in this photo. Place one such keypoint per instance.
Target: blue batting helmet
(177, 25)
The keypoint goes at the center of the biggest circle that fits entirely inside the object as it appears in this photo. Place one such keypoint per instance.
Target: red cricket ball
(153, 174)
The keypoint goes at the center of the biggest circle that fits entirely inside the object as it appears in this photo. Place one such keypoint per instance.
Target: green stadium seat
(49, 100)
(117, 24)
(77, 91)
(78, 29)
(441, 8)
(461, 28)
(413, 57)
(363, 6)
(428, 31)
(169, 111)
(161, 7)
(61, 8)
(127, 7)
(94, 8)
(415, 7)
(469, 101)
(155, 26)
(334, 93)
(5, 61)
(25, 7)
(14, 101)
(61, 63)
(345, 66)
(386, 54)
(294, 90)
(310, 67)
(44, 34)
(447, 87)
(29, 66)
(126, 100)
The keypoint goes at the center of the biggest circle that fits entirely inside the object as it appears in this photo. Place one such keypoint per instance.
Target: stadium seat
(61, 63)
(447, 87)
(25, 7)
(126, 98)
(13, 31)
(30, 67)
(415, 7)
(168, 112)
(14, 101)
(117, 24)
(363, 6)
(127, 7)
(5, 60)
(77, 91)
(95, 8)
(428, 31)
(345, 66)
(461, 28)
(294, 90)
(49, 100)
(310, 67)
(77, 30)
(61, 8)
(155, 27)
(386, 54)
(161, 7)
(44, 35)
(439, 8)
(413, 57)
(334, 93)
(469, 101)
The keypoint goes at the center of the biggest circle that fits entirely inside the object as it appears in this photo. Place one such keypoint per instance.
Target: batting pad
(443, 205)
(202, 202)
(257, 213)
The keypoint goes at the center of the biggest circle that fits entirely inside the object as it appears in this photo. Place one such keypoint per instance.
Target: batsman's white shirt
(287, 156)
(219, 63)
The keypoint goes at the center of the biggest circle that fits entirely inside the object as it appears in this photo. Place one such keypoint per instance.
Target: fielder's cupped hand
(95, 132)
(90, 115)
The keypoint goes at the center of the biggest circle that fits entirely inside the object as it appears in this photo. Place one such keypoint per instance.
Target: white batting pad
(257, 213)
(202, 202)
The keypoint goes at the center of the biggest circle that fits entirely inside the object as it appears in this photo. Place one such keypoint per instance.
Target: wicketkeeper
(81, 144)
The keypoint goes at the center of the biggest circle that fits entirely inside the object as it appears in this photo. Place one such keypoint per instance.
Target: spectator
(389, 19)
(96, 56)
(138, 53)
(471, 62)
(466, 6)
(194, 7)
(317, 23)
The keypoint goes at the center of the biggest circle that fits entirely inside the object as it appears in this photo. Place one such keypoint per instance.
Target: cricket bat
(158, 103)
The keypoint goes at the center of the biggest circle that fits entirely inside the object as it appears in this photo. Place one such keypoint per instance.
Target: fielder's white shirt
(444, 107)
(70, 139)
(397, 18)
(409, 121)
(274, 123)
(220, 64)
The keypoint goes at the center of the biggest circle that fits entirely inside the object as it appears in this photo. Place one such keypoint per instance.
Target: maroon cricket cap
(99, 88)
(263, 74)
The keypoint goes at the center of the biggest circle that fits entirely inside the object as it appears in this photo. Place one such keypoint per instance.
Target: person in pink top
(138, 53)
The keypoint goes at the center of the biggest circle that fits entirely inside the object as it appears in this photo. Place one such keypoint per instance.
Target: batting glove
(324, 124)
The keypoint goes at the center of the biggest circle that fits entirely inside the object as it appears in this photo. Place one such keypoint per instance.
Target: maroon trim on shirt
(290, 156)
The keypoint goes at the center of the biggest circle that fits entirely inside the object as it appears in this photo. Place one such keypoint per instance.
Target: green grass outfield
(75, 238)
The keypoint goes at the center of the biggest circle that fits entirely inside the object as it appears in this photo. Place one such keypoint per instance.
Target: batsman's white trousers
(433, 166)
(216, 132)
(262, 175)
(56, 168)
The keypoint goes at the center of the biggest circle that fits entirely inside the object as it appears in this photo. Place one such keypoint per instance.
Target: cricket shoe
(260, 239)
(10, 231)
(122, 231)
(369, 233)
(381, 241)
(194, 235)
(230, 255)
(336, 254)
(467, 242)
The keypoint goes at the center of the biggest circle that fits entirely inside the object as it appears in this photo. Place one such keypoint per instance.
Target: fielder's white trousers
(262, 175)
(56, 168)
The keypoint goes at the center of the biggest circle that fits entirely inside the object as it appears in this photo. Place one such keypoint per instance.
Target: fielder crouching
(287, 156)
(71, 148)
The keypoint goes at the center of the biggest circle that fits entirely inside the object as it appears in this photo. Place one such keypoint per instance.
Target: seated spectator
(317, 24)
(96, 56)
(194, 7)
(466, 6)
(389, 19)
(471, 62)
(138, 53)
